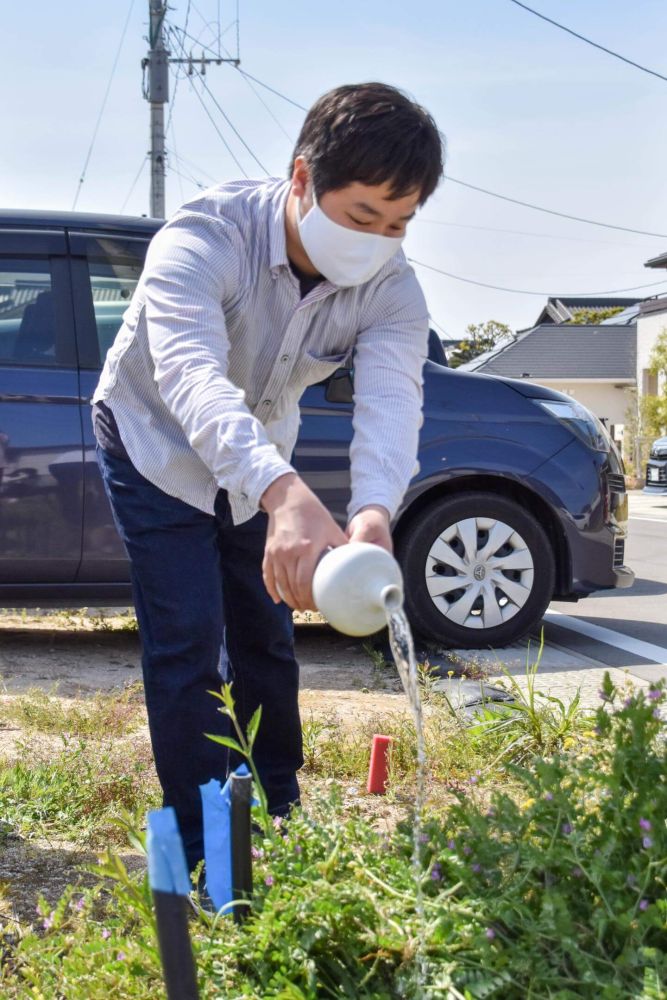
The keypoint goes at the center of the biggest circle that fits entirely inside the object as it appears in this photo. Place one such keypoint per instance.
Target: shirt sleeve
(388, 394)
(192, 270)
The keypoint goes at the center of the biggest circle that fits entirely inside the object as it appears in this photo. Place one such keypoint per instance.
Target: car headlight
(581, 421)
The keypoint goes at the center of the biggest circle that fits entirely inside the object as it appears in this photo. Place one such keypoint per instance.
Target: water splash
(403, 650)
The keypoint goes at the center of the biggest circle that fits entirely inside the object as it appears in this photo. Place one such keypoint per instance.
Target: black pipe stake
(180, 978)
(241, 794)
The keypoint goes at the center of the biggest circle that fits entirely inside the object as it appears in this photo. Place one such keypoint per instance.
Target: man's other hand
(371, 524)
(300, 530)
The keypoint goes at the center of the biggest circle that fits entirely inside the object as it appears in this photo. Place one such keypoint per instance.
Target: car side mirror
(340, 386)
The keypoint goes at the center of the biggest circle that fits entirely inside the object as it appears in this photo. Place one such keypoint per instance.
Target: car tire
(478, 571)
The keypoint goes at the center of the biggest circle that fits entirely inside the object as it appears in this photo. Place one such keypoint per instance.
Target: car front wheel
(478, 570)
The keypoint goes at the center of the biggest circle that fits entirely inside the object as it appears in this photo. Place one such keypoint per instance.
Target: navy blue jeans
(205, 616)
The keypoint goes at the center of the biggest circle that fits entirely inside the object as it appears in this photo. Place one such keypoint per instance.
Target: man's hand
(371, 524)
(300, 530)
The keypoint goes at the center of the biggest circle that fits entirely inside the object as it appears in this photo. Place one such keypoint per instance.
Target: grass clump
(108, 714)
(79, 792)
(558, 892)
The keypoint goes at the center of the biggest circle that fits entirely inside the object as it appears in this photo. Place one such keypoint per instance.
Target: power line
(474, 187)
(218, 105)
(521, 232)
(104, 104)
(134, 182)
(208, 114)
(272, 90)
(551, 211)
(523, 291)
(589, 41)
(232, 126)
(179, 70)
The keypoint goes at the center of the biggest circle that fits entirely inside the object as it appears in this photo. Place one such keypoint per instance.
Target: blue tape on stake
(216, 805)
(167, 869)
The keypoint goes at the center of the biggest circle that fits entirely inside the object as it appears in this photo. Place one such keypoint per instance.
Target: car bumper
(592, 506)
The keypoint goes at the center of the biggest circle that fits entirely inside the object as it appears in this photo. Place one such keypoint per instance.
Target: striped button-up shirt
(216, 348)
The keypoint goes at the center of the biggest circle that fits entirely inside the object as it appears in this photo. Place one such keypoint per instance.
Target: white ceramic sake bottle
(353, 586)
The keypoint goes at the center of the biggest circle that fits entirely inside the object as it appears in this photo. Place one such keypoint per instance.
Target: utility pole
(158, 95)
(156, 91)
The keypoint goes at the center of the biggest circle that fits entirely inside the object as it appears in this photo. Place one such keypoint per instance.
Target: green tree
(480, 337)
(591, 317)
(658, 366)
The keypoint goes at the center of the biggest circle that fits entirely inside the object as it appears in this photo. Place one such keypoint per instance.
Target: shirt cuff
(372, 496)
(266, 468)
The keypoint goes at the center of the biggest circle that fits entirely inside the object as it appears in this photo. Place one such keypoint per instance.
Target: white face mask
(345, 256)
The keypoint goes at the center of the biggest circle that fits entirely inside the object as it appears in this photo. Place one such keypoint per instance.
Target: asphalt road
(624, 628)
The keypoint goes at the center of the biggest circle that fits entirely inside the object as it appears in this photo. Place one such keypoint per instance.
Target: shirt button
(267, 402)
(285, 357)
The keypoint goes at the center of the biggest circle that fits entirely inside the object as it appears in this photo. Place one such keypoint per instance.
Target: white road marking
(655, 520)
(647, 650)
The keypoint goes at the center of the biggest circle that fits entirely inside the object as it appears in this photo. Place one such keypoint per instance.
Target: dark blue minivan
(520, 497)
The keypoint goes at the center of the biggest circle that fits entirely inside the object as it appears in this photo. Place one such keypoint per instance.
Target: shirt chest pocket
(312, 368)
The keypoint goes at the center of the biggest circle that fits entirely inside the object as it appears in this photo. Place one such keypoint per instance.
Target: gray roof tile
(560, 351)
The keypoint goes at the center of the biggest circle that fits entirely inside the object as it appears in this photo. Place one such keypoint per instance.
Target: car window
(27, 314)
(112, 284)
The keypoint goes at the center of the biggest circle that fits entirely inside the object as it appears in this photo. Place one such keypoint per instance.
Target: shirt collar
(277, 239)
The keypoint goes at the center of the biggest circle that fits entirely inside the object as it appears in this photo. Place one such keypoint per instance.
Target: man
(251, 292)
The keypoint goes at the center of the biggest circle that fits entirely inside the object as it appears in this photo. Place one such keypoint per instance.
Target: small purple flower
(490, 933)
(654, 694)
(644, 824)
(473, 779)
(467, 850)
(476, 868)
(628, 702)
(298, 848)
(631, 880)
(656, 713)
(106, 934)
(643, 904)
(490, 813)
(602, 695)
(478, 771)
(566, 828)
(647, 842)
(80, 903)
(549, 796)
(257, 852)
(48, 922)
(423, 838)
(121, 956)
(577, 872)
(277, 822)
(436, 872)
(268, 880)
(451, 844)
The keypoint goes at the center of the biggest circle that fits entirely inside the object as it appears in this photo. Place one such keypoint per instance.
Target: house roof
(660, 261)
(561, 310)
(559, 351)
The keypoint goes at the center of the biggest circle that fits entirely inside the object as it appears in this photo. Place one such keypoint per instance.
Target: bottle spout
(391, 597)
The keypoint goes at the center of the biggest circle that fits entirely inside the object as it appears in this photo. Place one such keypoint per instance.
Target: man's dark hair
(374, 134)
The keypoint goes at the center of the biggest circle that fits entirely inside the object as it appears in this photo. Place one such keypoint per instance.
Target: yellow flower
(528, 804)
(568, 743)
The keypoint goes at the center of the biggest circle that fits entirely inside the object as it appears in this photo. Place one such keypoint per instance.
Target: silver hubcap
(479, 572)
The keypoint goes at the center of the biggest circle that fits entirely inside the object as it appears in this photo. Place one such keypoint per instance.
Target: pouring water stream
(403, 651)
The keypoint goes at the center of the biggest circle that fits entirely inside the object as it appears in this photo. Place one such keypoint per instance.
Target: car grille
(662, 475)
(619, 551)
(616, 482)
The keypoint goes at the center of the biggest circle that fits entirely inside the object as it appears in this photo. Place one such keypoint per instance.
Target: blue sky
(528, 111)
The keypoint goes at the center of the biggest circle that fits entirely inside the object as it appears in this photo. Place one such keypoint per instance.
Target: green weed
(107, 714)
(558, 895)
